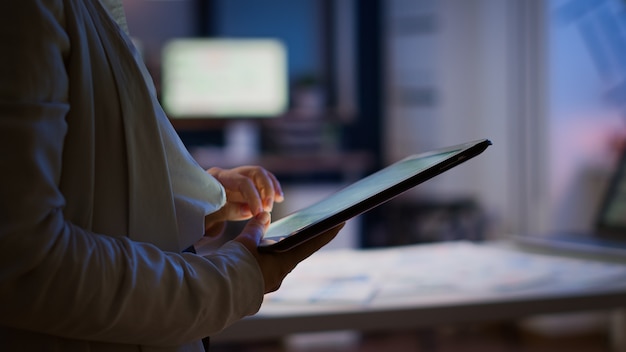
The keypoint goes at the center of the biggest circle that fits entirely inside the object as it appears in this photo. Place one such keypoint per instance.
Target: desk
(596, 286)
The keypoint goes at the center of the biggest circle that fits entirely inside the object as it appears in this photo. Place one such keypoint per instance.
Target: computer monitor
(224, 78)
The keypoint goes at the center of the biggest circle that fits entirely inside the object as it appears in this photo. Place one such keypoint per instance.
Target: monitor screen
(224, 78)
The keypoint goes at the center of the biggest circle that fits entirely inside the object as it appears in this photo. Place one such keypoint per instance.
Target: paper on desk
(334, 277)
(342, 291)
(348, 276)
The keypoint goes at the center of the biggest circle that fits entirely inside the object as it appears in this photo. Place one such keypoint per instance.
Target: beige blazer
(98, 197)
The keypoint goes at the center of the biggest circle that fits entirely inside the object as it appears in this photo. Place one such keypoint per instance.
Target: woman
(99, 198)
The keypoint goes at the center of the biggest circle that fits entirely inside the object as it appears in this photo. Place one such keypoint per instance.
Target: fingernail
(244, 210)
(263, 217)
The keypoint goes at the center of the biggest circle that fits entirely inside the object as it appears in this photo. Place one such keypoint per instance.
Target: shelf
(351, 165)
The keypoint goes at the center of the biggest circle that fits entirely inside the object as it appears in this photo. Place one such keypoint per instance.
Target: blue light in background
(295, 23)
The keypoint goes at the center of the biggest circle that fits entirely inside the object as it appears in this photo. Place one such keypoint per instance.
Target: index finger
(267, 185)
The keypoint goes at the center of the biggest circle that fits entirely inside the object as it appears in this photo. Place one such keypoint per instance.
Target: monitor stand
(242, 141)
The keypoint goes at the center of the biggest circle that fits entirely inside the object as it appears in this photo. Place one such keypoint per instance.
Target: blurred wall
(453, 76)
(543, 79)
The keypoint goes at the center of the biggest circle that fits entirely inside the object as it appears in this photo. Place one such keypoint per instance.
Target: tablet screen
(365, 194)
(352, 195)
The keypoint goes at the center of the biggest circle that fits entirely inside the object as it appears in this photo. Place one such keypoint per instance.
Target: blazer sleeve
(59, 279)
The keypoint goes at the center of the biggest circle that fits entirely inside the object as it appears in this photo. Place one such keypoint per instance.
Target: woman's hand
(250, 190)
(276, 266)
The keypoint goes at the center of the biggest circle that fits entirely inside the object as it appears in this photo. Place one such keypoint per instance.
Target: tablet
(365, 194)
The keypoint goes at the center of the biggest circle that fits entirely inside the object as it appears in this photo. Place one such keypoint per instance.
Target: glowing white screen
(224, 78)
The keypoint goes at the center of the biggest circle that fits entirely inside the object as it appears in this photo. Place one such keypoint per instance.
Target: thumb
(254, 230)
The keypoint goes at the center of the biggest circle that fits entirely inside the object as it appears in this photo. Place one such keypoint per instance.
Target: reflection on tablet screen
(353, 194)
